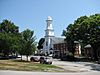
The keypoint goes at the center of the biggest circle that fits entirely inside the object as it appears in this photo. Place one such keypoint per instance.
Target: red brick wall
(62, 47)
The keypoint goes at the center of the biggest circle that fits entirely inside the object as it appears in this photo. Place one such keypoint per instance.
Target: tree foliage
(8, 37)
(86, 30)
(28, 43)
(12, 41)
(40, 44)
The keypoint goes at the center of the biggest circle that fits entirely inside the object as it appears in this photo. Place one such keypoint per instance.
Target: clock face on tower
(51, 33)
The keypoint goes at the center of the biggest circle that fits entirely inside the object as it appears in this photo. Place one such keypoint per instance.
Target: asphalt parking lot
(77, 66)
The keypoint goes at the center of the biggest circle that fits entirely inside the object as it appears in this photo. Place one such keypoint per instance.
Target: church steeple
(49, 22)
(49, 33)
(49, 29)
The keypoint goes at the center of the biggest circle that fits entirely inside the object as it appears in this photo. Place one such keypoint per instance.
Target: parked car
(67, 58)
(35, 59)
(45, 60)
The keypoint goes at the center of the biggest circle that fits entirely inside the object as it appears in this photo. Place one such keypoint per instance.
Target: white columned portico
(49, 33)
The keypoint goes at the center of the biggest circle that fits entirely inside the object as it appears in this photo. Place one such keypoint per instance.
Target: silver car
(45, 60)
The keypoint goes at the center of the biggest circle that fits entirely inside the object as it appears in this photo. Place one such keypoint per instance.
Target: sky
(32, 14)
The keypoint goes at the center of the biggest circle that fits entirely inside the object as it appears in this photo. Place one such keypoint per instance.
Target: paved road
(45, 73)
(77, 66)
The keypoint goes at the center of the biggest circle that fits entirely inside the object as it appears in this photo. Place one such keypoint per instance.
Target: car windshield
(47, 58)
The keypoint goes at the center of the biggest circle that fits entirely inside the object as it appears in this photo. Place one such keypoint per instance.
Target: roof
(57, 40)
(49, 18)
(88, 46)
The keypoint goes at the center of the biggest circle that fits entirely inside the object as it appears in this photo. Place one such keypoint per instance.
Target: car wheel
(51, 63)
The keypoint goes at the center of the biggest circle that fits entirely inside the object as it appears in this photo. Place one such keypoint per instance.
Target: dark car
(46, 60)
(68, 58)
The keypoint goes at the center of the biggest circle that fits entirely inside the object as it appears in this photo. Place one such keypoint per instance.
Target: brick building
(61, 49)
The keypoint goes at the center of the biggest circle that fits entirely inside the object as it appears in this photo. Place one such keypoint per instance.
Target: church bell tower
(49, 33)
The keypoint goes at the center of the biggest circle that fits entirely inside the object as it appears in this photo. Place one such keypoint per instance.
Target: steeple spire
(49, 29)
(49, 23)
(49, 33)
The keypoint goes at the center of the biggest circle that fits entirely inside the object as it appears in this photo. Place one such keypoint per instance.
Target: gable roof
(57, 40)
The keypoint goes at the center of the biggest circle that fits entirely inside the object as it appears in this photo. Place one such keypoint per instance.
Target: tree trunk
(21, 57)
(27, 57)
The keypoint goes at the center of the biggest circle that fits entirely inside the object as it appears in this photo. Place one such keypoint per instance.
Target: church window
(46, 43)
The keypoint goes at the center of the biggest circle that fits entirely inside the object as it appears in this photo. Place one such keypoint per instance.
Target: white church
(51, 43)
(50, 39)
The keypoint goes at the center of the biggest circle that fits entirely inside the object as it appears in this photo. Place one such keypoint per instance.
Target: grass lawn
(18, 65)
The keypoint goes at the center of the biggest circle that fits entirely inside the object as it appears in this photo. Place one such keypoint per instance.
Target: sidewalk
(7, 72)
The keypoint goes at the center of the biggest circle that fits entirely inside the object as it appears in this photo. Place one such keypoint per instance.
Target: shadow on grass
(8, 57)
(20, 61)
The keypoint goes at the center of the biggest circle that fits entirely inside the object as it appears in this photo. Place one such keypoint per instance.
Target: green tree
(40, 44)
(8, 27)
(28, 43)
(9, 33)
(85, 30)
